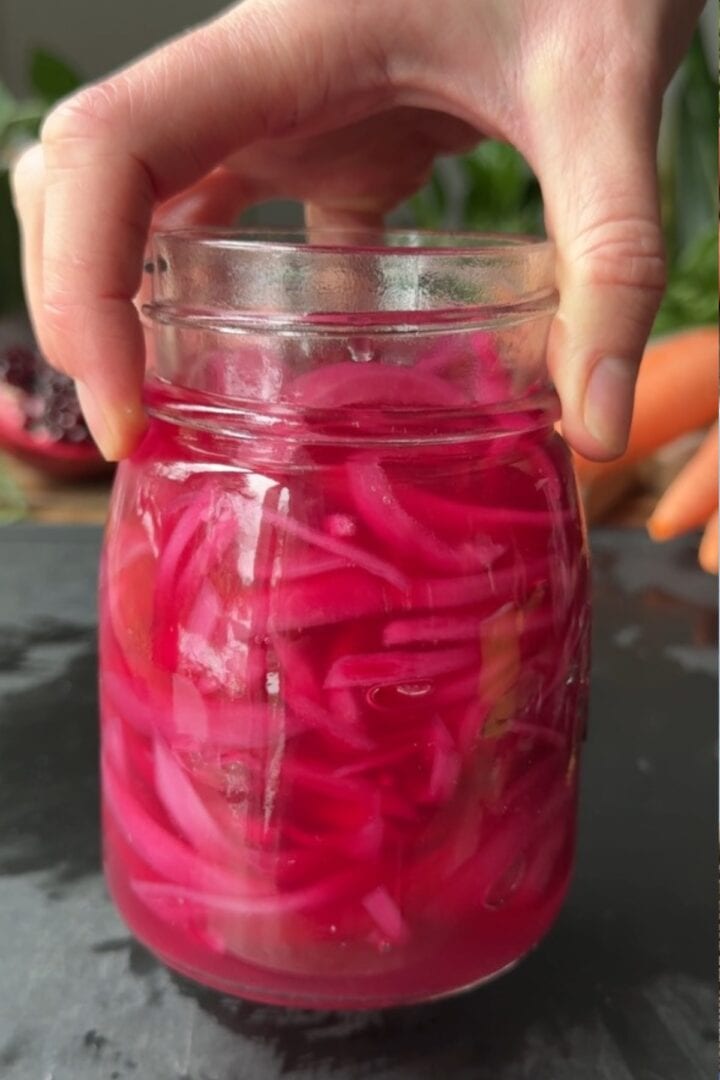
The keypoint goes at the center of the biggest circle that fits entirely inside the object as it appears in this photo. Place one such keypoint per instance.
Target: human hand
(345, 106)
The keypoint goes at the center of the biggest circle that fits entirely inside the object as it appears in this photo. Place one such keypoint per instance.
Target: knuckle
(92, 113)
(626, 252)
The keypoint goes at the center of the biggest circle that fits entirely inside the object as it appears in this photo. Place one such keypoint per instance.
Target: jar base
(321, 1003)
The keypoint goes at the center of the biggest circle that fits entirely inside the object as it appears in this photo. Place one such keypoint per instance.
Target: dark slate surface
(623, 989)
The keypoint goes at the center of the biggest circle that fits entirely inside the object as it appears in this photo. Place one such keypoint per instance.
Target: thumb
(601, 198)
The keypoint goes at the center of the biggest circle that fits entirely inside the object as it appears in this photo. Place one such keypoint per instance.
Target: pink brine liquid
(343, 690)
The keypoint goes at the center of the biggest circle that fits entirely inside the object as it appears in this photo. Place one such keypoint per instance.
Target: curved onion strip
(386, 915)
(327, 891)
(377, 504)
(163, 852)
(183, 805)
(388, 668)
(351, 553)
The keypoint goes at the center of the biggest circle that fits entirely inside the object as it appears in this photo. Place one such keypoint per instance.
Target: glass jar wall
(344, 619)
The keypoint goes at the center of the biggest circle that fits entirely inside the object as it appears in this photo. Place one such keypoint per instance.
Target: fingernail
(101, 430)
(609, 402)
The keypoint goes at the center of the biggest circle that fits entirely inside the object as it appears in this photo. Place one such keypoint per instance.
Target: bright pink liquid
(343, 690)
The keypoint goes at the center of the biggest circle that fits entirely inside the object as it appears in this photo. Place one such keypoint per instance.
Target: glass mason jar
(344, 619)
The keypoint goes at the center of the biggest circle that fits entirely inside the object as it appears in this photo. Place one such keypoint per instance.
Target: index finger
(117, 149)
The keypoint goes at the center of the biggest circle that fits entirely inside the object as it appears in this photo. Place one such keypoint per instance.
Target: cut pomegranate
(40, 417)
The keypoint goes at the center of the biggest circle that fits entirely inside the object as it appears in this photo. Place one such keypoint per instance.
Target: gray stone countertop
(622, 989)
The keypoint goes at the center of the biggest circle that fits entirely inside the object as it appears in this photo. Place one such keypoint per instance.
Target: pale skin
(345, 105)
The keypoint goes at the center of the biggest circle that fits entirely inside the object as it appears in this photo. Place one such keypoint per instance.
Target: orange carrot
(708, 554)
(677, 391)
(692, 497)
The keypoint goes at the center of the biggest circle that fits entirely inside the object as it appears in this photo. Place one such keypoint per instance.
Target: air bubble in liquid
(414, 690)
(403, 694)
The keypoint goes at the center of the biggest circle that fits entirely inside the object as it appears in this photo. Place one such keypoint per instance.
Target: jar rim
(436, 243)
(323, 279)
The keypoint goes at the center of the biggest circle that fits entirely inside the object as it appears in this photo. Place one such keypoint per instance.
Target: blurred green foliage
(13, 504)
(688, 166)
(50, 79)
(497, 192)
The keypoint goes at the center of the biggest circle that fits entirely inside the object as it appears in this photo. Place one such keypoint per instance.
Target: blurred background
(48, 470)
